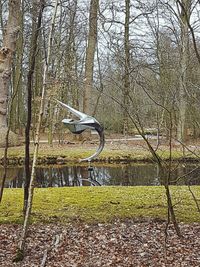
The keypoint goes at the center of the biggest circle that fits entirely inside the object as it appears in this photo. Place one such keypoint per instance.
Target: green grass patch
(74, 154)
(99, 204)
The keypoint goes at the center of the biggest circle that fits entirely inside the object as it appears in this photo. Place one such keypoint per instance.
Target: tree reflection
(124, 175)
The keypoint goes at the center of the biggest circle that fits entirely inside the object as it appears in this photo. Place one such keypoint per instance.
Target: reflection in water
(124, 175)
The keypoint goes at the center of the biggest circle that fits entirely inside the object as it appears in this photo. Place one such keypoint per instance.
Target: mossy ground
(76, 152)
(99, 204)
(110, 153)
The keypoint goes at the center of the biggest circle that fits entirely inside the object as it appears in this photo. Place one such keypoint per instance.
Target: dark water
(131, 175)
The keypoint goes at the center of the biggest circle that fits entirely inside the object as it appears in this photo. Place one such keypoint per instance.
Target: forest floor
(133, 242)
(101, 226)
(120, 244)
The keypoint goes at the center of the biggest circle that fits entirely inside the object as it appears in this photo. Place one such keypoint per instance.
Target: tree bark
(184, 17)
(34, 45)
(127, 67)
(90, 52)
(6, 56)
(17, 105)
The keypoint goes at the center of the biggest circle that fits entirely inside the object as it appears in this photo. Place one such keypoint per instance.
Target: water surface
(124, 175)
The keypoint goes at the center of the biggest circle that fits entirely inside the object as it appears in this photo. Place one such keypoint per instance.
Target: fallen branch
(55, 243)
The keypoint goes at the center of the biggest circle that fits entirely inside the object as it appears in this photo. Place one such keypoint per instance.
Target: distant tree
(127, 66)
(90, 52)
(184, 7)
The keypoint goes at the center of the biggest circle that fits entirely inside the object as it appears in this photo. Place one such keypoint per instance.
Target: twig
(44, 258)
(166, 233)
(55, 243)
(194, 198)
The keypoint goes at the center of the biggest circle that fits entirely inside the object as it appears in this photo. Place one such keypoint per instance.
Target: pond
(124, 175)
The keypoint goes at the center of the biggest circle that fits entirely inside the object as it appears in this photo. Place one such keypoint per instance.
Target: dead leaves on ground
(118, 244)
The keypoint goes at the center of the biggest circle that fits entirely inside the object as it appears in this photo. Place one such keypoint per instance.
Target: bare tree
(184, 7)
(36, 26)
(90, 52)
(127, 65)
(20, 252)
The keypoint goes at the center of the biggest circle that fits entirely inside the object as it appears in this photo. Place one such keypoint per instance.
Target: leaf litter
(119, 244)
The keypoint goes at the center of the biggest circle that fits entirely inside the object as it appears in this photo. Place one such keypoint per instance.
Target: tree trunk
(34, 44)
(6, 55)
(90, 52)
(17, 105)
(20, 252)
(127, 68)
(1, 17)
(184, 16)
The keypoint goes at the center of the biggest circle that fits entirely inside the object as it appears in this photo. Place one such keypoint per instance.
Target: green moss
(99, 204)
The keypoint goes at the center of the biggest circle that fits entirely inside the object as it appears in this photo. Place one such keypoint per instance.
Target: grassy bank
(65, 153)
(99, 204)
(74, 153)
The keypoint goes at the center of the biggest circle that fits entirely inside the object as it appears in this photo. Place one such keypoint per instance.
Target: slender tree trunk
(71, 59)
(34, 45)
(20, 252)
(127, 67)
(162, 175)
(184, 17)
(17, 76)
(90, 52)
(1, 17)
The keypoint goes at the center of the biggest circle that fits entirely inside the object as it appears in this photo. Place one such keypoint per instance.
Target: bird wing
(74, 111)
